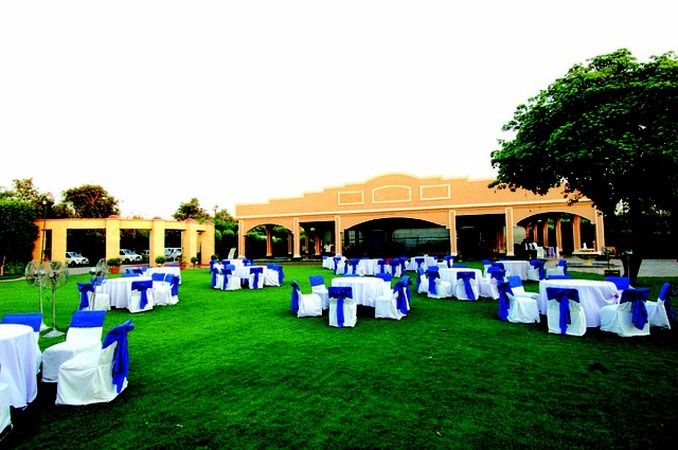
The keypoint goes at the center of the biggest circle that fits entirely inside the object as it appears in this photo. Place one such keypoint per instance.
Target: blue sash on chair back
(215, 272)
(563, 297)
(496, 273)
(665, 296)
(121, 356)
(354, 265)
(538, 264)
(256, 271)
(142, 287)
(563, 263)
(394, 263)
(449, 259)
(88, 319)
(174, 283)
(294, 302)
(420, 272)
(336, 260)
(403, 262)
(33, 320)
(639, 312)
(158, 276)
(504, 302)
(138, 270)
(407, 282)
(432, 274)
(85, 289)
(419, 262)
(246, 262)
(385, 276)
(278, 268)
(466, 277)
(227, 272)
(316, 280)
(621, 282)
(401, 300)
(380, 263)
(340, 293)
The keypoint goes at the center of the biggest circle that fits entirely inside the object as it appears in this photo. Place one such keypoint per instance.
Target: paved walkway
(658, 268)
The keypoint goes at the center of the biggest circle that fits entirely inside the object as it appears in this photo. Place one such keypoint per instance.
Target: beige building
(195, 237)
(464, 214)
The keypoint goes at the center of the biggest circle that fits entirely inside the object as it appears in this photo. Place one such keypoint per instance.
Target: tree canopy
(17, 231)
(88, 201)
(191, 210)
(607, 130)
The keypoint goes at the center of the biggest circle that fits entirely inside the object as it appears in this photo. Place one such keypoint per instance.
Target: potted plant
(182, 263)
(194, 261)
(114, 265)
(160, 260)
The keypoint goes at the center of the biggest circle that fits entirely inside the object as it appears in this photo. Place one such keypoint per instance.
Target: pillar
(508, 220)
(559, 233)
(289, 242)
(269, 245)
(545, 233)
(206, 243)
(452, 226)
(189, 240)
(296, 253)
(307, 241)
(112, 237)
(316, 239)
(156, 240)
(600, 231)
(576, 232)
(241, 239)
(59, 235)
(337, 235)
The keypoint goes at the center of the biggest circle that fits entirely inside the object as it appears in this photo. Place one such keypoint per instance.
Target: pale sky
(242, 102)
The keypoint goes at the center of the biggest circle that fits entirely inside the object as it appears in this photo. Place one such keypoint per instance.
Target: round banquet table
(516, 267)
(365, 289)
(119, 290)
(593, 295)
(18, 356)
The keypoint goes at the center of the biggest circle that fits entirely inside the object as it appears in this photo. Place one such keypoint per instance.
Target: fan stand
(54, 332)
(43, 327)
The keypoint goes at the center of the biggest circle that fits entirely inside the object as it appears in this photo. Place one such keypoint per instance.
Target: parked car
(76, 259)
(173, 253)
(128, 256)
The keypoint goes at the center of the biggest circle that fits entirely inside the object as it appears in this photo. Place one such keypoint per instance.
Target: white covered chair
(436, 287)
(340, 265)
(229, 282)
(274, 275)
(516, 308)
(343, 309)
(93, 297)
(141, 299)
(517, 287)
(33, 320)
(629, 317)
(660, 313)
(96, 376)
(305, 305)
(162, 290)
(256, 278)
(318, 287)
(394, 266)
(536, 271)
(466, 287)
(84, 334)
(394, 305)
(564, 313)
(217, 276)
(487, 286)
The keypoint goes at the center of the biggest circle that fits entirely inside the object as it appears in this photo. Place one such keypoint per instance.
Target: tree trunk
(637, 250)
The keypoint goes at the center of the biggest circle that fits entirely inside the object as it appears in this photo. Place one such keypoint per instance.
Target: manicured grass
(237, 369)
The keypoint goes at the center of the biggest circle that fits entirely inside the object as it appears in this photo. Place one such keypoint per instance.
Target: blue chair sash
(504, 302)
(621, 282)
(563, 263)
(563, 297)
(158, 277)
(215, 272)
(420, 272)
(496, 273)
(405, 279)
(316, 280)
(336, 260)
(121, 356)
(394, 263)
(142, 287)
(385, 276)
(256, 271)
(432, 276)
(88, 319)
(277, 268)
(33, 320)
(85, 289)
(340, 293)
(538, 264)
(639, 311)
(403, 267)
(419, 262)
(466, 277)
(401, 300)
(174, 283)
(294, 302)
(380, 263)
(665, 295)
(449, 259)
(354, 264)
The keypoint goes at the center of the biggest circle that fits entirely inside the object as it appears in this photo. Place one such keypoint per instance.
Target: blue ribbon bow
(401, 299)
(85, 289)
(294, 302)
(340, 293)
(354, 265)
(215, 271)
(336, 260)
(142, 287)
(639, 311)
(419, 262)
(88, 319)
(563, 297)
(665, 295)
(380, 263)
(121, 356)
(466, 277)
(448, 260)
(539, 264)
(504, 302)
(432, 276)
(256, 271)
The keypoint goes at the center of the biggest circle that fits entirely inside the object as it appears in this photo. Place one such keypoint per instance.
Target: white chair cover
(393, 305)
(84, 334)
(658, 312)
(523, 309)
(460, 290)
(577, 316)
(162, 290)
(349, 307)
(305, 305)
(136, 298)
(318, 287)
(620, 318)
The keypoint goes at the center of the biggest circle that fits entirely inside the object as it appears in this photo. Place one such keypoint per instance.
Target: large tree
(88, 201)
(17, 232)
(191, 210)
(607, 130)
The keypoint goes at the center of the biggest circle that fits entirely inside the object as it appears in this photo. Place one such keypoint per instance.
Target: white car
(76, 259)
(128, 256)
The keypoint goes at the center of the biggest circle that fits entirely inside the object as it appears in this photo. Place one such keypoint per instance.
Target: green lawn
(237, 369)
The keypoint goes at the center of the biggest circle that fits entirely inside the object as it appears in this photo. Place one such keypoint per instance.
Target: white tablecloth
(428, 261)
(119, 290)
(365, 289)
(451, 274)
(244, 271)
(593, 295)
(368, 266)
(18, 356)
(516, 267)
